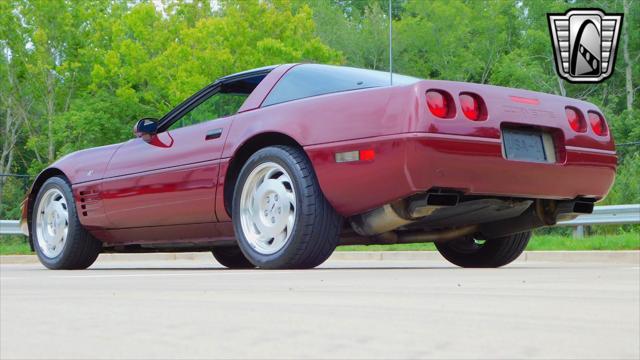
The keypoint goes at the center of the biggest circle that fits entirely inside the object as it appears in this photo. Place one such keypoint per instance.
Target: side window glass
(218, 105)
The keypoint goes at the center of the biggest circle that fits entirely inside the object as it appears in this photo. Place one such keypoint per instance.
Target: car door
(171, 178)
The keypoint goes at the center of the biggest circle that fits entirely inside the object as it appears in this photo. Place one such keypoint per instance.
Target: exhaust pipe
(377, 226)
(407, 237)
(426, 206)
(378, 221)
(394, 215)
(541, 213)
(432, 236)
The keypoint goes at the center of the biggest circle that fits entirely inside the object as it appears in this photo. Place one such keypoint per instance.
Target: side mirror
(145, 128)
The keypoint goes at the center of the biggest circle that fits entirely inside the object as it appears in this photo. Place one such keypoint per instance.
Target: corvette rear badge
(584, 44)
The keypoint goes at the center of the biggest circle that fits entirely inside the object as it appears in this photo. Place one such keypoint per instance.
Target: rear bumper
(410, 163)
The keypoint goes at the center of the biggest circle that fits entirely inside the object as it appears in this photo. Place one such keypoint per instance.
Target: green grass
(627, 241)
(12, 245)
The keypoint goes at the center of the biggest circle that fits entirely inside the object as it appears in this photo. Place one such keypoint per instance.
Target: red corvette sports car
(275, 167)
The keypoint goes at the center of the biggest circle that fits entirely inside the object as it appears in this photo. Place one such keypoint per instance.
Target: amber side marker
(350, 156)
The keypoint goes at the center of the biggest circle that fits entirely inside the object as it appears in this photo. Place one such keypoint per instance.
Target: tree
(153, 62)
(15, 101)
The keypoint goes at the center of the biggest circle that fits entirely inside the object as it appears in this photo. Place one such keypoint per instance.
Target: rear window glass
(309, 80)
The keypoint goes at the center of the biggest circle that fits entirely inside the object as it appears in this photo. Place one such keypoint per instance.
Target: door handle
(213, 134)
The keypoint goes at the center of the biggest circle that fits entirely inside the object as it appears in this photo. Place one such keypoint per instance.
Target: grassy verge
(14, 245)
(628, 241)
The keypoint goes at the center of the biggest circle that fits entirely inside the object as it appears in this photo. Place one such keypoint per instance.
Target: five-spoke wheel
(280, 215)
(59, 238)
(268, 208)
(52, 222)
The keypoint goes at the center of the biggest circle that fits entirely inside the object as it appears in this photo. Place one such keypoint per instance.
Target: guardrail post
(578, 232)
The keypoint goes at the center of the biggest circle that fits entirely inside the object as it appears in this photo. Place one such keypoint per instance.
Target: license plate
(527, 145)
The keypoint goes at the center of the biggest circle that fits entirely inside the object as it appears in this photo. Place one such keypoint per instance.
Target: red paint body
(171, 190)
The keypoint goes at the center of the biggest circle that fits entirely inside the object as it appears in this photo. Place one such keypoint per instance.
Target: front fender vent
(88, 199)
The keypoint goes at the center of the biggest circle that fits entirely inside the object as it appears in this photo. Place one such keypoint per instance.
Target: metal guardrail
(606, 215)
(602, 215)
(10, 227)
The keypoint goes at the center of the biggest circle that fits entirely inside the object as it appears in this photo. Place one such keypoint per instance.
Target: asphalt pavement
(345, 309)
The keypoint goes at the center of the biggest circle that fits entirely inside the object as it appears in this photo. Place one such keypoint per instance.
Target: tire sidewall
(65, 189)
(288, 251)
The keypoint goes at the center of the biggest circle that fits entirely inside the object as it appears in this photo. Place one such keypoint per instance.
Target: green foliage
(95, 121)
(626, 189)
(12, 195)
(453, 40)
(625, 127)
(358, 29)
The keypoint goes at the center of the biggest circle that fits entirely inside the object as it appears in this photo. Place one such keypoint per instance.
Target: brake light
(598, 125)
(525, 100)
(472, 107)
(575, 119)
(438, 103)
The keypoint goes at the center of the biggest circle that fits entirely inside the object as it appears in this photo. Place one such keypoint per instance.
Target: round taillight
(438, 103)
(471, 107)
(598, 125)
(574, 117)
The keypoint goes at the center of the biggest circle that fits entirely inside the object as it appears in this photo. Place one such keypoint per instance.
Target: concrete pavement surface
(345, 309)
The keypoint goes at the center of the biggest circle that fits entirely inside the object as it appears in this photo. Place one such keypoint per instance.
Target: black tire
(80, 249)
(316, 228)
(493, 253)
(231, 257)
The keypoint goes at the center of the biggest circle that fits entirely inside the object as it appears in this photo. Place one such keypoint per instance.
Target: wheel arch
(45, 175)
(244, 152)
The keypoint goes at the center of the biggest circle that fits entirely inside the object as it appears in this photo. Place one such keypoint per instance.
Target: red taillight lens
(438, 103)
(575, 119)
(598, 124)
(472, 107)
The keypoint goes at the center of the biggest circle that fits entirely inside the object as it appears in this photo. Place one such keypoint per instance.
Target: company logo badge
(584, 44)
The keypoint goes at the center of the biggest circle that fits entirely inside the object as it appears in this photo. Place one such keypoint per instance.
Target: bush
(13, 192)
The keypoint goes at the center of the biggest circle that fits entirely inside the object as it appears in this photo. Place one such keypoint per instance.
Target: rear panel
(523, 146)
(512, 109)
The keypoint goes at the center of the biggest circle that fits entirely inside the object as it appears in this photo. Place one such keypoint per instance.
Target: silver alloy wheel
(52, 223)
(268, 208)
